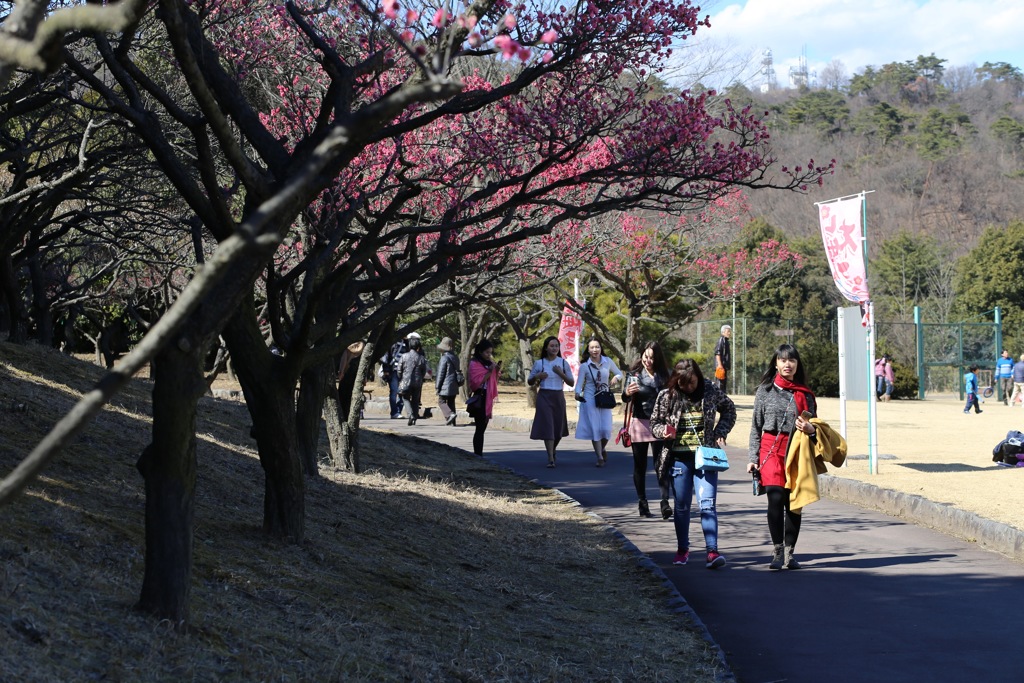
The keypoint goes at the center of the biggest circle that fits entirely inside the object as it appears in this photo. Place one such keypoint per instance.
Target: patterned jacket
(668, 411)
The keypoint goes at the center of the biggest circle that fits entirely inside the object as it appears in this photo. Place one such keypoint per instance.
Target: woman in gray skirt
(550, 374)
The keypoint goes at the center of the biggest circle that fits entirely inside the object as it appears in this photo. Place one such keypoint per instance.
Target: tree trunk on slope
(17, 315)
(168, 467)
(352, 386)
(308, 410)
(268, 382)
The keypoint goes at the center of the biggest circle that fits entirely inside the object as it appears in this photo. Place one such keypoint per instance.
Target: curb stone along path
(995, 536)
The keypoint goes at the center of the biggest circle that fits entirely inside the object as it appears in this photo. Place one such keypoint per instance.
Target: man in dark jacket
(723, 356)
(389, 373)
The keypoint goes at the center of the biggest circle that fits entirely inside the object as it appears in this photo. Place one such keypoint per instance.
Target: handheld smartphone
(806, 415)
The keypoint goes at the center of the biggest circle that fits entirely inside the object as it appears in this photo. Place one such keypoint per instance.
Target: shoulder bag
(476, 404)
(603, 398)
(709, 458)
(623, 435)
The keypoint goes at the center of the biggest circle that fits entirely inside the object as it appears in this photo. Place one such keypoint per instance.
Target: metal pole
(732, 356)
(872, 398)
(999, 352)
(745, 385)
(841, 315)
(919, 328)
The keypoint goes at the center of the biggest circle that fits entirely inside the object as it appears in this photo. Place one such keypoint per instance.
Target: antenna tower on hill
(767, 72)
(799, 76)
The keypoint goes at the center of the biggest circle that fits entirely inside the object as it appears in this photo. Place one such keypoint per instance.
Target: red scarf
(800, 392)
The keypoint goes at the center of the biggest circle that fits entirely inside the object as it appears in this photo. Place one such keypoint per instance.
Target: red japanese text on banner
(844, 246)
(569, 332)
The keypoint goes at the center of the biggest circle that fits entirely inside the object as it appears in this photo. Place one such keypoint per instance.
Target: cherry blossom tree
(349, 160)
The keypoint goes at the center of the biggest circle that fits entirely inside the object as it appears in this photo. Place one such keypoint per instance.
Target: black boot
(645, 509)
(666, 509)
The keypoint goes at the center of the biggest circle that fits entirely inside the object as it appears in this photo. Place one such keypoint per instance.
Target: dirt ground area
(928, 448)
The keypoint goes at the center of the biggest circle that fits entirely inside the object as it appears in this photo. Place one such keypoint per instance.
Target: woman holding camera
(597, 374)
(684, 414)
(782, 404)
(643, 382)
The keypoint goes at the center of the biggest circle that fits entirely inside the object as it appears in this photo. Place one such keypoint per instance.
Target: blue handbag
(711, 459)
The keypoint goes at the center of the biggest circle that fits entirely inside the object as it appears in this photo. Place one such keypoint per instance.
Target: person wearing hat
(389, 373)
(447, 380)
(412, 370)
(1004, 375)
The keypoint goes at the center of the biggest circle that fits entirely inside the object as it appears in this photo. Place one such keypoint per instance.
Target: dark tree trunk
(17, 315)
(354, 392)
(168, 466)
(40, 303)
(268, 382)
(335, 426)
(309, 407)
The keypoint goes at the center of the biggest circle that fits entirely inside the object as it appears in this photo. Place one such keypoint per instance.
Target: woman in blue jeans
(685, 415)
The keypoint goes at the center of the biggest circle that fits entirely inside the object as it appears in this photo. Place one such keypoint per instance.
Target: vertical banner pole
(847, 254)
(841, 314)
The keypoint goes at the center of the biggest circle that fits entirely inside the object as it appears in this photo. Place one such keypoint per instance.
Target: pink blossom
(475, 39)
(549, 36)
(390, 8)
(440, 17)
(509, 48)
(411, 16)
(510, 22)
(548, 56)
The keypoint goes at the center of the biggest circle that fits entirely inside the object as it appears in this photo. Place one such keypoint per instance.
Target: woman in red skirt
(783, 403)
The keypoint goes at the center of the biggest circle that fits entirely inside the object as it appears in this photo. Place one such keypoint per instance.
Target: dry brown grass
(431, 566)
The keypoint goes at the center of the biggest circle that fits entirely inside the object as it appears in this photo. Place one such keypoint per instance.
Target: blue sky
(860, 33)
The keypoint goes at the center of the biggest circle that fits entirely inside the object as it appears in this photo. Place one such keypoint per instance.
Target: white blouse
(552, 381)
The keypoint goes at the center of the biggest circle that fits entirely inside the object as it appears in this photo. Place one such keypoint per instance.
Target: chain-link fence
(933, 353)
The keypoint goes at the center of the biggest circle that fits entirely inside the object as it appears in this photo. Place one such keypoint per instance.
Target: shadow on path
(878, 599)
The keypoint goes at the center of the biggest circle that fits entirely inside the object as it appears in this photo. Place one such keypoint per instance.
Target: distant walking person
(890, 379)
(550, 374)
(1004, 375)
(644, 380)
(723, 357)
(483, 373)
(412, 370)
(1018, 381)
(971, 389)
(597, 373)
(783, 404)
(884, 377)
(447, 380)
(389, 372)
(684, 413)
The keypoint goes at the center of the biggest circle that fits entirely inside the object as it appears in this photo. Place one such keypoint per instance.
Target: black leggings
(640, 468)
(783, 523)
(478, 434)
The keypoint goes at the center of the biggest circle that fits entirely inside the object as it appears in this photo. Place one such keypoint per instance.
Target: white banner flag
(841, 231)
(569, 333)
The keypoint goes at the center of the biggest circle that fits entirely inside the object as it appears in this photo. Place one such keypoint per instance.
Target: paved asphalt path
(878, 599)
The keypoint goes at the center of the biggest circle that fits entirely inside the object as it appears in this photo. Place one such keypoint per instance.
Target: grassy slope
(431, 565)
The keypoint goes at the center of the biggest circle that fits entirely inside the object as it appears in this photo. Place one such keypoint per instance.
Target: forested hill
(942, 147)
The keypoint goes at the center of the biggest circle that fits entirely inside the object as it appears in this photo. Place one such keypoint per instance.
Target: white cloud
(862, 33)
